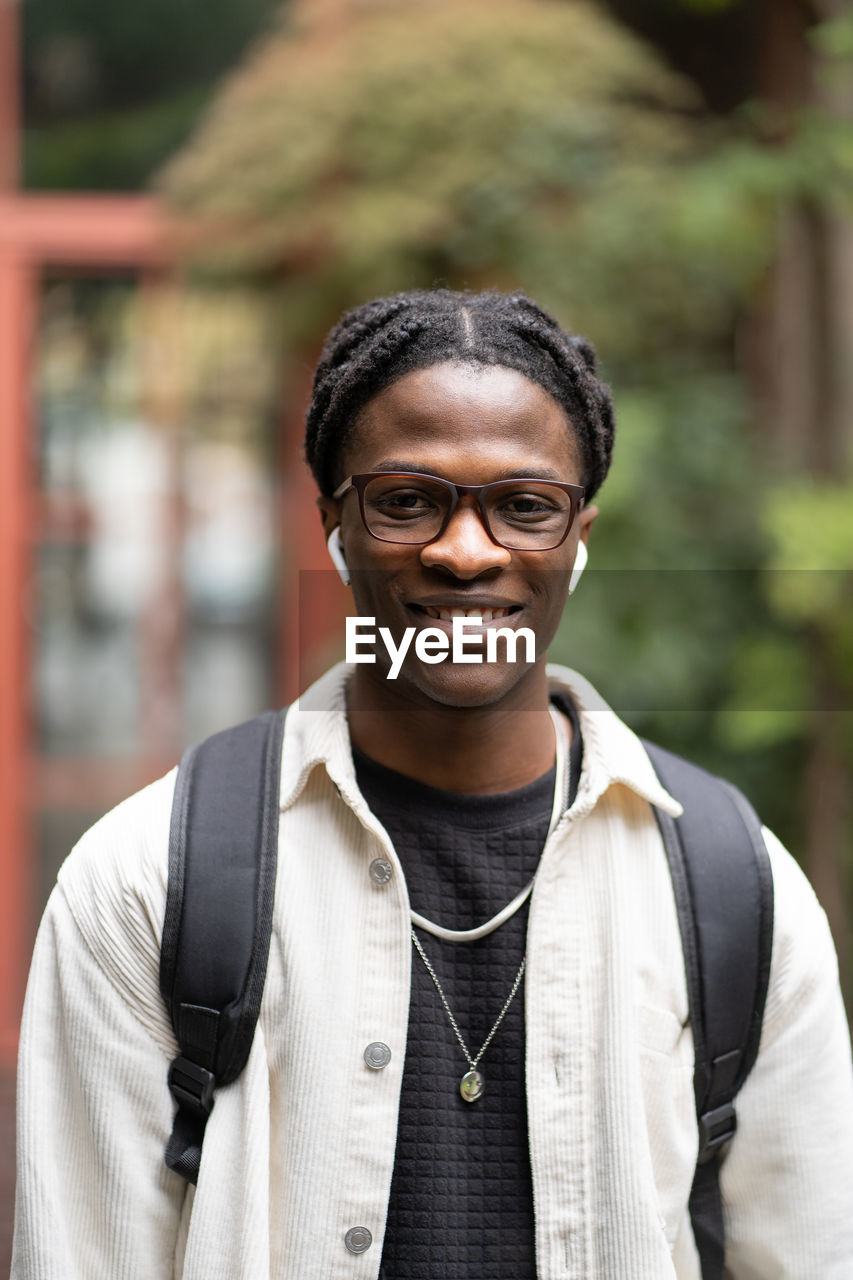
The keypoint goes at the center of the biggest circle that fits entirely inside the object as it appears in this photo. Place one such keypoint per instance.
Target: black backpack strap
(219, 903)
(724, 897)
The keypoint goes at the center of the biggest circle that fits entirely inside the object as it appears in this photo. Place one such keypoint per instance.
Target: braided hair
(382, 340)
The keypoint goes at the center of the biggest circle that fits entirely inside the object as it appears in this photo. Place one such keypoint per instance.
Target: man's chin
(463, 685)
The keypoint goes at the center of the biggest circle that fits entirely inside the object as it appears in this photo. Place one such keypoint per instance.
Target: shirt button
(358, 1239)
(377, 1055)
(380, 870)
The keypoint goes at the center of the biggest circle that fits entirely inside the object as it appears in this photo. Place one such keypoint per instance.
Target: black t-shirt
(461, 1204)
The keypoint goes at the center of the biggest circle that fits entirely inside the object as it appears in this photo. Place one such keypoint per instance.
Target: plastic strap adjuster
(715, 1128)
(192, 1086)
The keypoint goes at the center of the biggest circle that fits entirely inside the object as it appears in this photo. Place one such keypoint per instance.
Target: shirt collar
(612, 753)
(317, 734)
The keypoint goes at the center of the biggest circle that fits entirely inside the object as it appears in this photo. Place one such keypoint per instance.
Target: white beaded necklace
(561, 801)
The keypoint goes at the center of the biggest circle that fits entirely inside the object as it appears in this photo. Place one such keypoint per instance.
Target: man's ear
(330, 514)
(586, 519)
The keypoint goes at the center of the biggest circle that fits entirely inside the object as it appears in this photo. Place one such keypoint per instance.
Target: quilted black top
(461, 1204)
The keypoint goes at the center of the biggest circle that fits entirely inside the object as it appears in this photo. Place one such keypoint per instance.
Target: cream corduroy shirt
(301, 1148)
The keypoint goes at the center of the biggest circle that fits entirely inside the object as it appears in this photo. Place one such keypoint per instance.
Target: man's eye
(403, 502)
(526, 506)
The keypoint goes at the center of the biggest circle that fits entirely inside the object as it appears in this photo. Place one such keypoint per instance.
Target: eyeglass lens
(520, 515)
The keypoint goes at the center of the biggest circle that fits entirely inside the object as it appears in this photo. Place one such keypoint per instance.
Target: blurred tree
(794, 158)
(373, 146)
(366, 144)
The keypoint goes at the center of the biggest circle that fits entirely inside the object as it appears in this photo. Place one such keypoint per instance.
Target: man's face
(469, 425)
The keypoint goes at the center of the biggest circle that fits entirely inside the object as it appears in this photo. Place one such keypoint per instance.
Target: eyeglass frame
(359, 482)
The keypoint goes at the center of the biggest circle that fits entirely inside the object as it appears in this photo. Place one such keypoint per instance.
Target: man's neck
(475, 750)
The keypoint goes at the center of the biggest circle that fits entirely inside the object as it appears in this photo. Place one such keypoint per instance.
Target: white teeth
(482, 615)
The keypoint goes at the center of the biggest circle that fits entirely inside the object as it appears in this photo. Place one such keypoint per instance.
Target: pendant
(471, 1086)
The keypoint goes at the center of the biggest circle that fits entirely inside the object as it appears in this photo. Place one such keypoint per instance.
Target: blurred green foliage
(116, 150)
(509, 144)
(110, 90)
(473, 140)
(707, 6)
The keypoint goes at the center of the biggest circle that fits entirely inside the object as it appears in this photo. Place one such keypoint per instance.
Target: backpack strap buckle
(192, 1086)
(715, 1128)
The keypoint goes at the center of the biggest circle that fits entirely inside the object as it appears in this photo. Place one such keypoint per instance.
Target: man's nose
(465, 548)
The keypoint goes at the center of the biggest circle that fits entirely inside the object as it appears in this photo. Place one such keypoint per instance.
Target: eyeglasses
(519, 514)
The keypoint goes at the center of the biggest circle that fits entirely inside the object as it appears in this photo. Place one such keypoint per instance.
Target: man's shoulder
(804, 965)
(115, 878)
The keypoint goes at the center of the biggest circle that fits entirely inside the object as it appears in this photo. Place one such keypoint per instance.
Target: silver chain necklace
(472, 1084)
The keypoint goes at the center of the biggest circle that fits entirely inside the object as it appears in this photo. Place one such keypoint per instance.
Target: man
(451, 1076)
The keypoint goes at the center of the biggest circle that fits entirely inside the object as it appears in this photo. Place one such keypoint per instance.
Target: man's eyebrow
(524, 471)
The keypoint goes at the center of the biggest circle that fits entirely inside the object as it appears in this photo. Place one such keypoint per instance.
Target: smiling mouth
(481, 614)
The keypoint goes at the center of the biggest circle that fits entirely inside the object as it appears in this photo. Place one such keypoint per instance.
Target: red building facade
(219, 626)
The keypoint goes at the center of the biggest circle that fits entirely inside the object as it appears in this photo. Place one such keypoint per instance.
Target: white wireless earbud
(581, 557)
(336, 551)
